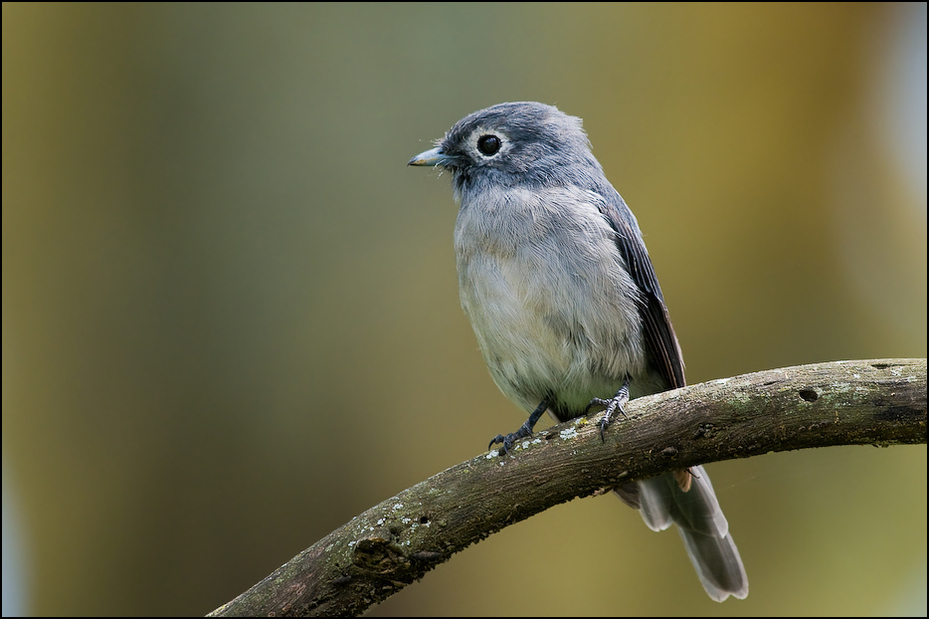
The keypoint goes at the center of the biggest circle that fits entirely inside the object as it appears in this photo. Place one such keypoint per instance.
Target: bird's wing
(660, 340)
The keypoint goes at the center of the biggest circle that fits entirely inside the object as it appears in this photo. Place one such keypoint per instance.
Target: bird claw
(524, 430)
(617, 402)
(509, 440)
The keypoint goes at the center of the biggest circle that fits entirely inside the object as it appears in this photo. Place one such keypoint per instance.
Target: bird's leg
(524, 430)
(617, 402)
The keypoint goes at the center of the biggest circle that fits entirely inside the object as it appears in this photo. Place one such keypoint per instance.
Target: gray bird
(555, 278)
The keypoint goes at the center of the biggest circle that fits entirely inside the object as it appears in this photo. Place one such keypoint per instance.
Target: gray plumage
(555, 278)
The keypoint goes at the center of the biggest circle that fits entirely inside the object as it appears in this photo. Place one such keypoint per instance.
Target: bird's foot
(617, 402)
(510, 439)
(524, 431)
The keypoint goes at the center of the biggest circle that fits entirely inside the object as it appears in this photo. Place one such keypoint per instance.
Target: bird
(555, 278)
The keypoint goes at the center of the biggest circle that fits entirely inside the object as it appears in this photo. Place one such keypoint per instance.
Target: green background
(230, 312)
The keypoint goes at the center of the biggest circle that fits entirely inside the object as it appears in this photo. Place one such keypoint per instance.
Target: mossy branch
(878, 402)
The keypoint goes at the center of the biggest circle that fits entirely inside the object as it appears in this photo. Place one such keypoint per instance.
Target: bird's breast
(548, 296)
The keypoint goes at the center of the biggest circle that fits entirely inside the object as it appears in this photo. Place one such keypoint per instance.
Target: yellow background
(230, 313)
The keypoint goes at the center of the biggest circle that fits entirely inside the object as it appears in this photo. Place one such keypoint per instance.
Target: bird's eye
(488, 144)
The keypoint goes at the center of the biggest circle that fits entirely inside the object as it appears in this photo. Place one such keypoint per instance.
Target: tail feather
(702, 526)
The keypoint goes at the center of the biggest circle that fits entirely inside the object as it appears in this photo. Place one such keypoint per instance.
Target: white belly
(553, 309)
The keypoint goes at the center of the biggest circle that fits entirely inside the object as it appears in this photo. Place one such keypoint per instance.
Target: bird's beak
(433, 156)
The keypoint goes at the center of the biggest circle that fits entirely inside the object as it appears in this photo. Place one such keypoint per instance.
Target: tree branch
(879, 402)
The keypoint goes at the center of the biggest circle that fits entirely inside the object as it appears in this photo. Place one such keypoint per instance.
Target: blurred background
(231, 318)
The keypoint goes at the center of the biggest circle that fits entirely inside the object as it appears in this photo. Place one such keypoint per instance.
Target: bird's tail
(702, 526)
